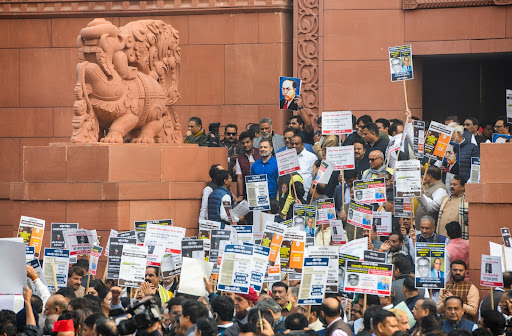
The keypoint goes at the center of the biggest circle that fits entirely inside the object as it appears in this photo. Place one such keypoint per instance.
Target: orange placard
(441, 145)
(297, 254)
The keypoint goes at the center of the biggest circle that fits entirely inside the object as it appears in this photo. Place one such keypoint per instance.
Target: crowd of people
(93, 307)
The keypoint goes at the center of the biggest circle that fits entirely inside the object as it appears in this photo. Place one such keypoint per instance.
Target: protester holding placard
(323, 141)
(432, 197)
(287, 196)
(454, 207)
(216, 210)
(267, 165)
(467, 150)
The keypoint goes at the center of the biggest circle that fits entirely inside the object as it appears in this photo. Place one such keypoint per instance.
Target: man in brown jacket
(454, 208)
(332, 317)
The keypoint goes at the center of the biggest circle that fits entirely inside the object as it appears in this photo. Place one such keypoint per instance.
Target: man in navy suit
(436, 271)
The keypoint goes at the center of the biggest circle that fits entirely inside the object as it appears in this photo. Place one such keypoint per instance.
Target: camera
(144, 314)
(214, 136)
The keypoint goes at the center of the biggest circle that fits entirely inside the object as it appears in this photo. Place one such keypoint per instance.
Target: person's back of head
(254, 129)
(71, 315)
(90, 320)
(247, 328)
(255, 313)
(402, 264)
(7, 316)
(67, 292)
(494, 321)
(460, 332)
(269, 304)
(430, 305)
(207, 327)
(37, 303)
(83, 263)
(220, 177)
(224, 307)
(436, 332)
(79, 303)
(372, 300)
(409, 285)
(331, 307)
(400, 333)
(365, 119)
(94, 303)
(106, 327)
(507, 280)
(453, 230)
(7, 329)
(369, 314)
(430, 323)
(194, 310)
(213, 170)
(296, 321)
(482, 332)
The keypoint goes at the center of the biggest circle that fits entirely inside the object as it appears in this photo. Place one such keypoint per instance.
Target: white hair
(458, 129)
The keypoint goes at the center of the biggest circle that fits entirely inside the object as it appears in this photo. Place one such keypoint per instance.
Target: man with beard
(244, 162)
(465, 290)
(267, 165)
(276, 140)
(331, 316)
(243, 302)
(394, 245)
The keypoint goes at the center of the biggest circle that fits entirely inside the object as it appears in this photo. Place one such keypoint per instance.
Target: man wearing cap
(243, 302)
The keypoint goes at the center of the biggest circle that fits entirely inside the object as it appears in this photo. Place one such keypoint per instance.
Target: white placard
(408, 179)
(342, 158)
(133, 266)
(162, 239)
(235, 269)
(339, 122)
(337, 232)
(505, 253)
(14, 269)
(332, 274)
(491, 273)
(383, 223)
(192, 274)
(394, 144)
(287, 161)
(355, 247)
(259, 265)
(313, 283)
(80, 241)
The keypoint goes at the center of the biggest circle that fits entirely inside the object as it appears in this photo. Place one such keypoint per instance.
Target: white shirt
(306, 161)
(238, 170)
(433, 204)
(203, 213)
(223, 213)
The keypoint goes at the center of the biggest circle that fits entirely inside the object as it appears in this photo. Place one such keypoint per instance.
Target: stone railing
(420, 4)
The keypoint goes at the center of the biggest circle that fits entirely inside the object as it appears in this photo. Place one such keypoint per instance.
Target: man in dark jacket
(333, 316)
(216, 210)
(196, 134)
(467, 150)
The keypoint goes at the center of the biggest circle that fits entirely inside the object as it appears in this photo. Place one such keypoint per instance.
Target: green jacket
(200, 138)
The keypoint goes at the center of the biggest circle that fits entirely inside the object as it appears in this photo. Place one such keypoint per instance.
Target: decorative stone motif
(127, 82)
(420, 4)
(307, 51)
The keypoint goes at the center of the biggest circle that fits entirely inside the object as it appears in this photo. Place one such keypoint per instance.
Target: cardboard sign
(205, 231)
(14, 269)
(325, 211)
(32, 231)
(193, 248)
(368, 277)
(339, 122)
(438, 138)
(235, 269)
(245, 234)
(80, 241)
(93, 259)
(403, 207)
(342, 261)
(57, 259)
(360, 215)
(355, 247)
(418, 143)
(491, 273)
(374, 256)
(324, 173)
(304, 217)
(400, 62)
(508, 101)
(475, 170)
(505, 234)
(394, 144)
(332, 274)
(408, 179)
(219, 239)
(337, 233)
(287, 161)
(342, 158)
(115, 253)
(113, 234)
(171, 265)
(57, 239)
(259, 265)
(430, 265)
(257, 192)
(140, 228)
(133, 266)
(371, 191)
(291, 253)
(290, 88)
(313, 284)
(162, 239)
(383, 222)
(273, 237)
(505, 253)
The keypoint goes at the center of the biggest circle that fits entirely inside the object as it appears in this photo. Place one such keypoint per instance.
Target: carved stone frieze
(421, 4)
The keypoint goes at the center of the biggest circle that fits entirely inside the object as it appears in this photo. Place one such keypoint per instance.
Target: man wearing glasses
(501, 126)
(377, 167)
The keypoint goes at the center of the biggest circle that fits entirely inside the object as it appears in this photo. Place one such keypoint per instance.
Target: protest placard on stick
(32, 231)
(314, 278)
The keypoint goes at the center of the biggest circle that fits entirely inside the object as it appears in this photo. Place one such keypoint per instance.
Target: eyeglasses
(498, 126)
(230, 133)
(372, 159)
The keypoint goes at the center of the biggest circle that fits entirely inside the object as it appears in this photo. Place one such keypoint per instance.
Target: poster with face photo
(304, 218)
(430, 265)
(368, 277)
(400, 62)
(140, 228)
(289, 89)
(371, 191)
(57, 240)
(491, 273)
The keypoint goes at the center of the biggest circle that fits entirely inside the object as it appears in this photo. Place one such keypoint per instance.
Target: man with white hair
(267, 133)
(467, 150)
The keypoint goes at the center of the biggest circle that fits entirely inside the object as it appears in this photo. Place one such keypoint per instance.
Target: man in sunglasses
(230, 141)
(377, 167)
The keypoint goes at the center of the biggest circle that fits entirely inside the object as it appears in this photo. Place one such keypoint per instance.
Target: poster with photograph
(80, 241)
(115, 253)
(491, 273)
(32, 231)
(259, 265)
(371, 191)
(273, 237)
(360, 215)
(291, 253)
(418, 142)
(257, 192)
(383, 222)
(192, 248)
(94, 258)
(140, 228)
(408, 179)
(324, 173)
(133, 266)
(235, 269)
(338, 122)
(394, 144)
(403, 207)
(287, 161)
(342, 158)
(314, 279)
(113, 234)
(304, 216)
(325, 211)
(57, 236)
(161, 239)
(205, 231)
(437, 140)
(475, 170)
(337, 233)
(368, 277)
(342, 263)
(400, 62)
(290, 88)
(171, 265)
(332, 274)
(57, 259)
(508, 101)
(219, 239)
(507, 239)
(430, 265)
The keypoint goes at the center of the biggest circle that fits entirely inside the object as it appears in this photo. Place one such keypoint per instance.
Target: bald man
(333, 316)
(56, 304)
(377, 167)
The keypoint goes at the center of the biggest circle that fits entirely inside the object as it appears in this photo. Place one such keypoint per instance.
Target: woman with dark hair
(95, 286)
(206, 327)
(106, 298)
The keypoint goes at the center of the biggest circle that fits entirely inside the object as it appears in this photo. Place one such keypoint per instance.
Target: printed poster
(374, 256)
(304, 217)
(325, 211)
(371, 191)
(235, 269)
(337, 233)
(324, 173)
(193, 248)
(257, 192)
(408, 179)
(287, 161)
(59, 258)
(219, 239)
(32, 231)
(475, 170)
(93, 259)
(332, 274)
(273, 237)
(505, 234)
(30, 252)
(491, 273)
(342, 261)
(115, 253)
(161, 239)
(290, 88)
(57, 240)
(80, 241)
(430, 265)
(291, 253)
(437, 140)
(171, 265)
(205, 231)
(360, 215)
(505, 253)
(314, 279)
(383, 222)
(140, 228)
(259, 265)
(400, 61)
(508, 100)
(339, 122)
(418, 143)
(403, 207)
(244, 233)
(133, 266)
(368, 277)
(342, 158)
(394, 144)
(355, 247)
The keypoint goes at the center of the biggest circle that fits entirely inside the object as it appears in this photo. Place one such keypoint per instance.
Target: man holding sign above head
(267, 165)
(289, 92)
(431, 198)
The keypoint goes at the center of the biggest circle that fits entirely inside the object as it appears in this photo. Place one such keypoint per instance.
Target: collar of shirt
(330, 324)
(289, 306)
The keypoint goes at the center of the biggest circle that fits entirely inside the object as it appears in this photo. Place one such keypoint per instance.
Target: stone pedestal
(490, 204)
(109, 186)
